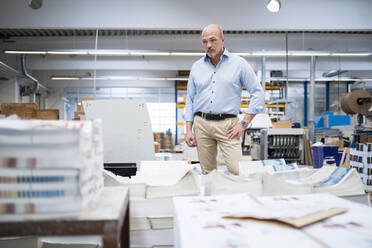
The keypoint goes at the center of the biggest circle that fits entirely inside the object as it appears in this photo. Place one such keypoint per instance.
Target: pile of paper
(151, 199)
(218, 183)
(328, 179)
(49, 168)
(271, 165)
(361, 160)
(321, 220)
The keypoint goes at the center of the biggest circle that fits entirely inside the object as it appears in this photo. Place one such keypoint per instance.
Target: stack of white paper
(328, 179)
(218, 183)
(271, 165)
(151, 195)
(49, 168)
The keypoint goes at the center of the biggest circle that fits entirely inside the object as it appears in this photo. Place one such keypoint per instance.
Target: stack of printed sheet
(49, 169)
(247, 168)
(361, 160)
(279, 178)
(242, 220)
(151, 199)
(328, 179)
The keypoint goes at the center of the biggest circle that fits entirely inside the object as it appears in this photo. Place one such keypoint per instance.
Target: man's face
(213, 42)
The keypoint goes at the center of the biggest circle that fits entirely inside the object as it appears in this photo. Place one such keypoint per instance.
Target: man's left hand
(236, 131)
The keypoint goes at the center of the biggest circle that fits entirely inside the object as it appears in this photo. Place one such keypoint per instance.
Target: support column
(327, 97)
(176, 99)
(312, 98)
(263, 72)
(305, 103)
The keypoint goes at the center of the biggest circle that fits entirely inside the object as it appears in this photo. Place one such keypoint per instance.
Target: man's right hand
(190, 139)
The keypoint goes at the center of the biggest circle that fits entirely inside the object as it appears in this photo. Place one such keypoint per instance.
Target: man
(213, 102)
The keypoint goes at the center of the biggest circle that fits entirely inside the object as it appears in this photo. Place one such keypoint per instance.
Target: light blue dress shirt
(218, 90)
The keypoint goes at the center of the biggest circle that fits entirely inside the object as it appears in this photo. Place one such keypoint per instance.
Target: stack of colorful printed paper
(49, 168)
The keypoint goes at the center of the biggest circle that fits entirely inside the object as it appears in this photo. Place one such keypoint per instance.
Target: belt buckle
(220, 115)
(203, 115)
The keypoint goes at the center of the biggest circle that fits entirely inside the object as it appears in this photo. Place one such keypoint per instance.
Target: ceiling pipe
(333, 73)
(27, 75)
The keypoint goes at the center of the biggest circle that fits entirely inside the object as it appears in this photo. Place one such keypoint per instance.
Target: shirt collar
(225, 54)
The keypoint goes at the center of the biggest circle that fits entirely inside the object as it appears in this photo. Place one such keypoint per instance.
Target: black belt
(215, 117)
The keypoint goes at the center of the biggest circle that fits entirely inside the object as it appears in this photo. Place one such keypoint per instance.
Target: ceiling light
(243, 54)
(119, 52)
(150, 53)
(65, 78)
(108, 52)
(68, 52)
(310, 53)
(273, 5)
(25, 52)
(119, 78)
(186, 54)
(35, 4)
(351, 54)
(268, 54)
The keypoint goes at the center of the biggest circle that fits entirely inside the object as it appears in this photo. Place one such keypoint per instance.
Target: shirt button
(211, 102)
(214, 72)
(214, 81)
(212, 91)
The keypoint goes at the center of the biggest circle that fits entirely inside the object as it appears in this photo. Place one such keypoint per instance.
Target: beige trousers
(208, 135)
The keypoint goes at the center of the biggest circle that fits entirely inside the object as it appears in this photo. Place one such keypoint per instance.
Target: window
(163, 116)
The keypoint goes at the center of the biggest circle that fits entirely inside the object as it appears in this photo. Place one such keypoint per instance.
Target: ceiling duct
(333, 73)
(30, 90)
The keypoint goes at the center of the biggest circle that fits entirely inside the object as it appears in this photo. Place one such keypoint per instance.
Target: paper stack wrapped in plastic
(49, 168)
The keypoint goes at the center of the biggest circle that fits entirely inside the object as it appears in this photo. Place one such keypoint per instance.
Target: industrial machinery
(127, 133)
(285, 143)
(357, 102)
(274, 143)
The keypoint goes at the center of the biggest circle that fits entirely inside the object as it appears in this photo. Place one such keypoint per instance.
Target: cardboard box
(80, 108)
(365, 139)
(87, 99)
(334, 141)
(47, 114)
(157, 147)
(77, 114)
(22, 110)
(283, 124)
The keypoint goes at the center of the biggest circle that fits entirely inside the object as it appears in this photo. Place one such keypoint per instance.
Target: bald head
(213, 41)
(214, 28)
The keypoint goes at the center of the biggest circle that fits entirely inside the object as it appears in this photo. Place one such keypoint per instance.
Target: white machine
(127, 133)
(274, 143)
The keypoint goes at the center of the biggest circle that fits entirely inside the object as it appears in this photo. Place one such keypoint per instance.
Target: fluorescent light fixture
(186, 54)
(65, 78)
(118, 52)
(268, 53)
(310, 53)
(243, 54)
(273, 6)
(150, 53)
(119, 78)
(351, 54)
(25, 52)
(179, 79)
(132, 78)
(109, 52)
(68, 52)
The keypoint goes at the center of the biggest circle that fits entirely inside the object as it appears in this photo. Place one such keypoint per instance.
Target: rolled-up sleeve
(250, 81)
(190, 99)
